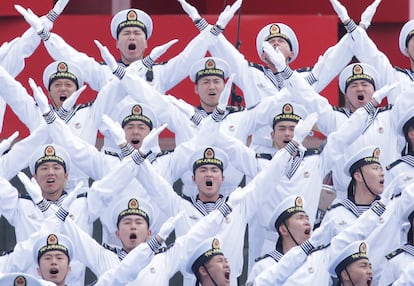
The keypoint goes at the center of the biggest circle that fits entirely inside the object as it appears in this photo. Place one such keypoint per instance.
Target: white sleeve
(407, 276)
(9, 198)
(18, 157)
(95, 74)
(22, 104)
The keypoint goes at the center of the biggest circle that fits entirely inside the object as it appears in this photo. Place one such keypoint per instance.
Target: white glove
(32, 187)
(160, 50)
(70, 101)
(6, 143)
(107, 56)
(40, 97)
(33, 20)
(321, 236)
(236, 197)
(368, 14)
(182, 105)
(275, 56)
(303, 127)
(115, 130)
(225, 94)
(169, 225)
(228, 14)
(340, 11)
(190, 10)
(151, 140)
(379, 94)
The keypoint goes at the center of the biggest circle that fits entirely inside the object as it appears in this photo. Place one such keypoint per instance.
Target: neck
(363, 196)
(52, 197)
(208, 199)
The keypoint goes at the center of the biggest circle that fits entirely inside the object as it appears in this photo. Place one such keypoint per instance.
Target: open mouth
(133, 236)
(361, 97)
(132, 47)
(209, 183)
(307, 231)
(227, 274)
(369, 282)
(63, 98)
(135, 142)
(50, 181)
(54, 271)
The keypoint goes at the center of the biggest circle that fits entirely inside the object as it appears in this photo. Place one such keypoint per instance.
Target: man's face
(299, 226)
(358, 93)
(374, 177)
(132, 230)
(208, 179)
(410, 49)
(209, 89)
(135, 132)
(131, 43)
(51, 178)
(54, 267)
(219, 270)
(360, 273)
(61, 89)
(282, 133)
(284, 48)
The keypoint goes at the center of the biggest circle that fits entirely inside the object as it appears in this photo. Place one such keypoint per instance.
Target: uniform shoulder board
(304, 69)
(394, 253)
(384, 108)
(110, 248)
(340, 109)
(334, 206)
(266, 156)
(82, 195)
(163, 248)
(401, 70)
(6, 252)
(261, 257)
(233, 109)
(26, 197)
(257, 66)
(87, 104)
(164, 152)
(393, 164)
(312, 151)
(187, 198)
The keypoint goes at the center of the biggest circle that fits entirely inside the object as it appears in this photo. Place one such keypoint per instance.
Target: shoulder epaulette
(312, 151)
(266, 156)
(83, 105)
(110, 248)
(164, 152)
(5, 252)
(394, 253)
(334, 206)
(340, 109)
(257, 66)
(401, 70)
(82, 195)
(149, 76)
(304, 69)
(232, 109)
(26, 197)
(261, 257)
(393, 164)
(163, 248)
(384, 108)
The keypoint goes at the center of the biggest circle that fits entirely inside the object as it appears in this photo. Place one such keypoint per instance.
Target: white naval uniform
(26, 217)
(12, 56)
(84, 119)
(164, 76)
(367, 52)
(265, 83)
(404, 164)
(397, 262)
(97, 165)
(263, 263)
(232, 234)
(170, 260)
(381, 131)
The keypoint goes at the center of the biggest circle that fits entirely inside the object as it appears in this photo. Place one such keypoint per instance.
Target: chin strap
(208, 273)
(366, 185)
(290, 234)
